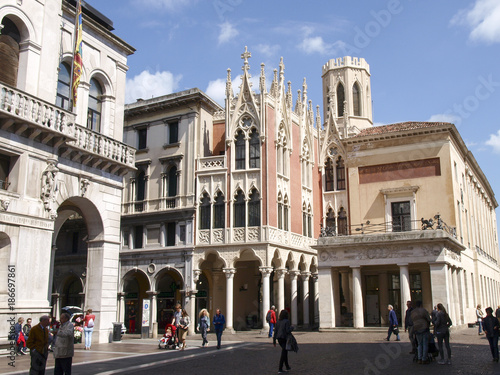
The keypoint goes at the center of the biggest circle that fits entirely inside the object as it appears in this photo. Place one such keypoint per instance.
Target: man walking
(38, 343)
(421, 322)
(491, 328)
(409, 327)
(64, 346)
(393, 324)
(271, 319)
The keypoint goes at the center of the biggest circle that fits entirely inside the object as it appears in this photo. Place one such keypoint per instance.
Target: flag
(77, 57)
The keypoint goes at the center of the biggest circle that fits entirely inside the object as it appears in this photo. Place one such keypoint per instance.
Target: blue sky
(429, 60)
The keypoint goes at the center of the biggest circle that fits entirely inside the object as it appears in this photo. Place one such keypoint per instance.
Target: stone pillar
(51, 275)
(305, 304)
(121, 305)
(426, 289)
(281, 272)
(451, 306)
(192, 311)
(229, 297)
(346, 290)
(326, 308)
(357, 298)
(131, 236)
(462, 294)
(293, 287)
(316, 298)
(383, 288)
(336, 298)
(218, 288)
(404, 277)
(266, 272)
(440, 284)
(163, 235)
(456, 297)
(153, 323)
(56, 299)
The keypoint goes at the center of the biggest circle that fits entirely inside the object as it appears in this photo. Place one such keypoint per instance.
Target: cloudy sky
(429, 60)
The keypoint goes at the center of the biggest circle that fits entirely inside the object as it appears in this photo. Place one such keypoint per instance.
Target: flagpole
(75, 49)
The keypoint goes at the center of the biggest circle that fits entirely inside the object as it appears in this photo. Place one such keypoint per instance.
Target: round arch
(22, 22)
(87, 209)
(102, 77)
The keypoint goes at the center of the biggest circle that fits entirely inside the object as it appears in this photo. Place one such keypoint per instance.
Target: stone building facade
(61, 169)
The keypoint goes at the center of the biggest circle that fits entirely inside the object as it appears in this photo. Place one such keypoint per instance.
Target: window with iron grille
(401, 216)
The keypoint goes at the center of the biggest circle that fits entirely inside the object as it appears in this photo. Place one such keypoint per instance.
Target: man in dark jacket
(409, 327)
(421, 321)
(38, 343)
(491, 328)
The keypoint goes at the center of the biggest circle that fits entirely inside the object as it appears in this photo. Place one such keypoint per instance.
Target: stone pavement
(350, 352)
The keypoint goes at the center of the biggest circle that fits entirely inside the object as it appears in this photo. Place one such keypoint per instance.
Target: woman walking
(219, 323)
(283, 328)
(442, 331)
(479, 316)
(88, 328)
(184, 323)
(204, 326)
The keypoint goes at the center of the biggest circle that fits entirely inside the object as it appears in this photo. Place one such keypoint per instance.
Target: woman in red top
(88, 328)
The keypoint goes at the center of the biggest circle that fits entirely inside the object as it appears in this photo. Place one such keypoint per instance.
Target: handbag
(291, 343)
(396, 331)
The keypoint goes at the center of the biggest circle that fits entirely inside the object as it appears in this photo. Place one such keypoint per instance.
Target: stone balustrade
(211, 162)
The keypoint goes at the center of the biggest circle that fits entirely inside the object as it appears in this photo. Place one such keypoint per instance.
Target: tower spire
(245, 56)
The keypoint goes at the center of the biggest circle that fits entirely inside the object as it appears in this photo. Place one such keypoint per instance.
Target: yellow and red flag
(77, 57)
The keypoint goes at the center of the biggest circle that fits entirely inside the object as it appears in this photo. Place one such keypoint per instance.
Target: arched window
(205, 212)
(254, 149)
(304, 220)
(329, 179)
(254, 209)
(356, 99)
(330, 221)
(95, 106)
(10, 38)
(340, 100)
(239, 210)
(342, 221)
(240, 150)
(219, 211)
(64, 87)
(172, 181)
(309, 221)
(285, 213)
(340, 174)
(280, 212)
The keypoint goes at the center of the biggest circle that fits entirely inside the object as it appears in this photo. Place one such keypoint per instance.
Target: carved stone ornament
(4, 204)
(49, 187)
(84, 184)
(151, 268)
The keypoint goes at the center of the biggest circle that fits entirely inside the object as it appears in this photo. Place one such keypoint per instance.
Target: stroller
(432, 350)
(168, 339)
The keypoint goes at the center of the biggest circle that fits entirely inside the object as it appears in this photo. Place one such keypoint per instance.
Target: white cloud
(227, 32)
(494, 142)
(267, 49)
(217, 90)
(483, 19)
(445, 117)
(170, 5)
(146, 85)
(315, 44)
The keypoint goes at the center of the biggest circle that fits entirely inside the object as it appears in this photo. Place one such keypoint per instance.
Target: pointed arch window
(340, 172)
(240, 150)
(172, 181)
(330, 221)
(254, 149)
(309, 221)
(285, 213)
(219, 211)
(340, 99)
(329, 177)
(356, 99)
(280, 211)
(342, 222)
(254, 209)
(239, 210)
(63, 87)
(95, 106)
(304, 220)
(205, 212)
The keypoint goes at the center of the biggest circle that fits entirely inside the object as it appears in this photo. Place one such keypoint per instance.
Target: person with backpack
(442, 332)
(491, 328)
(271, 319)
(88, 328)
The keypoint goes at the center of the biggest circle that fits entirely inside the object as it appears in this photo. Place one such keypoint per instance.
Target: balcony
(150, 205)
(27, 116)
(211, 163)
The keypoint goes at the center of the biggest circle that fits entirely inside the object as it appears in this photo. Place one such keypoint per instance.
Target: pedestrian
(409, 327)
(283, 329)
(184, 323)
(491, 328)
(442, 332)
(88, 328)
(434, 313)
(176, 320)
(479, 316)
(393, 324)
(131, 320)
(20, 339)
(64, 347)
(421, 321)
(204, 326)
(271, 319)
(219, 322)
(27, 328)
(497, 313)
(38, 343)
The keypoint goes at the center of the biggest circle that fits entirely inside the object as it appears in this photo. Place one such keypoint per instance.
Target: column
(305, 304)
(346, 289)
(326, 310)
(462, 294)
(293, 286)
(229, 297)
(163, 235)
(336, 298)
(153, 323)
(281, 272)
(316, 298)
(192, 311)
(440, 283)
(218, 297)
(266, 272)
(426, 289)
(383, 287)
(56, 299)
(451, 307)
(131, 237)
(121, 306)
(357, 298)
(404, 277)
